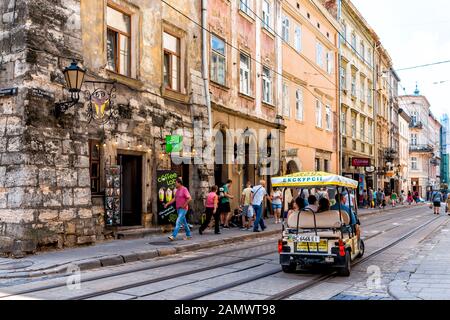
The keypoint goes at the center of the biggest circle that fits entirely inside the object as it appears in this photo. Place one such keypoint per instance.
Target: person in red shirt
(182, 200)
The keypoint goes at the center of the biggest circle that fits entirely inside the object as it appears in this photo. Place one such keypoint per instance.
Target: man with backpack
(259, 194)
(436, 198)
(224, 204)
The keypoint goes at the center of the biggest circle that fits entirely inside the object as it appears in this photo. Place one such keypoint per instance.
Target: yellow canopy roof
(313, 179)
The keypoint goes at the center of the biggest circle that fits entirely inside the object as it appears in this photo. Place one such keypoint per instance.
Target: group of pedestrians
(380, 199)
(251, 209)
(217, 205)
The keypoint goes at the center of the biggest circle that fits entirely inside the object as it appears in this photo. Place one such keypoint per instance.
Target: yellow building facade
(310, 87)
(356, 76)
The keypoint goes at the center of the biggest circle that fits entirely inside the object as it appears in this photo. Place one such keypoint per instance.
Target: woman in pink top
(211, 204)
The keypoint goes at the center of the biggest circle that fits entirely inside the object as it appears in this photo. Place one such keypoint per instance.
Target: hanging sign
(361, 162)
(165, 186)
(174, 143)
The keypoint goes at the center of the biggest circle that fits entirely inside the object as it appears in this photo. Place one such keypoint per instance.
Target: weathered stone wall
(45, 197)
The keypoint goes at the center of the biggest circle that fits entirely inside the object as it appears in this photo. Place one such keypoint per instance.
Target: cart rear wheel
(290, 268)
(345, 271)
(362, 248)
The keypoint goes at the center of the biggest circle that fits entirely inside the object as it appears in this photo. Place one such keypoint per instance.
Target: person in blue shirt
(341, 199)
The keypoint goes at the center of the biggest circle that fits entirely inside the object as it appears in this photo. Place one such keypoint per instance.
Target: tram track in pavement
(171, 276)
(308, 284)
(148, 268)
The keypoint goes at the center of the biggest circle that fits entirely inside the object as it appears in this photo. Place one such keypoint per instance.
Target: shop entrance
(131, 197)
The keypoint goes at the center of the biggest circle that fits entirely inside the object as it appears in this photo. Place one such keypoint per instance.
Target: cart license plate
(313, 239)
(322, 246)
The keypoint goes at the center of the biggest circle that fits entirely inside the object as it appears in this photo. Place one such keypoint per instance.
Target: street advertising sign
(165, 186)
(174, 143)
(360, 162)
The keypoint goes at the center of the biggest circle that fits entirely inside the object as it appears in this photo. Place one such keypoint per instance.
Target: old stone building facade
(52, 169)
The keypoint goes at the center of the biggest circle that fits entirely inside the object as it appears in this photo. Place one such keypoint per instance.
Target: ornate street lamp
(101, 108)
(74, 76)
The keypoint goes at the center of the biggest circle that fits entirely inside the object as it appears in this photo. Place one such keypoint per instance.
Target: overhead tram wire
(424, 65)
(238, 50)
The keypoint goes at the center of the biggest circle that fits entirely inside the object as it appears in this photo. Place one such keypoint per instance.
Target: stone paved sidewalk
(117, 252)
(427, 275)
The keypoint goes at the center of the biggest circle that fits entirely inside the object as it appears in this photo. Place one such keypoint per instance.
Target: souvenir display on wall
(112, 196)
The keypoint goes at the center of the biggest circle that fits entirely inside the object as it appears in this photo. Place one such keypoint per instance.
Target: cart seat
(324, 220)
(331, 235)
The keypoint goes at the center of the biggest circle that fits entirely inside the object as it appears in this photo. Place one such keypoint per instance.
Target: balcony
(416, 125)
(425, 148)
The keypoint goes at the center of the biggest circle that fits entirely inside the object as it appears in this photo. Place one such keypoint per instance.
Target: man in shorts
(247, 213)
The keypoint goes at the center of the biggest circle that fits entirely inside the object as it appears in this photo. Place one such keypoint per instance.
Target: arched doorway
(220, 158)
(292, 167)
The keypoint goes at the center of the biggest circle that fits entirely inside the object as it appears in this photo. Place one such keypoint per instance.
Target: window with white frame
(369, 93)
(344, 122)
(246, 6)
(118, 41)
(353, 84)
(267, 85)
(299, 104)
(244, 74)
(363, 90)
(413, 139)
(317, 161)
(171, 62)
(218, 60)
(353, 41)
(414, 116)
(363, 51)
(285, 29)
(353, 126)
(298, 38)
(330, 62)
(343, 76)
(319, 54)
(286, 107)
(370, 132)
(344, 32)
(328, 118)
(266, 14)
(414, 163)
(362, 129)
(318, 114)
(369, 56)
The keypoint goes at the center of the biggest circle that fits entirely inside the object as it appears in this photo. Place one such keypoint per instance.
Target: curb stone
(397, 289)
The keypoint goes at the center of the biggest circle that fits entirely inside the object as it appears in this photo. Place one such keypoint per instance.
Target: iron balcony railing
(416, 125)
(421, 148)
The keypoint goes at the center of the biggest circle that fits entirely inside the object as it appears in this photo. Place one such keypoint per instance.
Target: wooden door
(131, 190)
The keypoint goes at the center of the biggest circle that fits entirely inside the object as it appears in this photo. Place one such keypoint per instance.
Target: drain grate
(16, 265)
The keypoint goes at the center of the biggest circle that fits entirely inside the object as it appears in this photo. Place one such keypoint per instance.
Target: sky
(414, 33)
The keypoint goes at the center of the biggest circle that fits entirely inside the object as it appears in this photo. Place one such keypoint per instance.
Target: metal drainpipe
(205, 62)
(340, 136)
